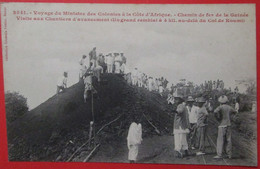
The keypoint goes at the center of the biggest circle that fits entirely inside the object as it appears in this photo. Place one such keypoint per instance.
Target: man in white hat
(193, 118)
(62, 82)
(181, 127)
(223, 114)
(202, 123)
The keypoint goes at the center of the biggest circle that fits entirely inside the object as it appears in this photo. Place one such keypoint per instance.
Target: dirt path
(160, 149)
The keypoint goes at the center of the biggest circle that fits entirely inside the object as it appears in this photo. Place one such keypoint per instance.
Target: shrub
(15, 105)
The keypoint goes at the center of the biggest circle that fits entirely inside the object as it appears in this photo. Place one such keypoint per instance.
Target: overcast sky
(39, 52)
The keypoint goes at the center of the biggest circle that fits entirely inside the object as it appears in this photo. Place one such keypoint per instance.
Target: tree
(15, 105)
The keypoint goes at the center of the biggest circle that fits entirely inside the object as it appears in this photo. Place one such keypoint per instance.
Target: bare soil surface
(58, 129)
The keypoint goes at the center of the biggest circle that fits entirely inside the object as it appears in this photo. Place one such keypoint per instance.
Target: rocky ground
(57, 129)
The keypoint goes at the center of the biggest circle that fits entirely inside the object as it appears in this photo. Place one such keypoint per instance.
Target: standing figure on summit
(118, 61)
(93, 55)
(109, 62)
(84, 64)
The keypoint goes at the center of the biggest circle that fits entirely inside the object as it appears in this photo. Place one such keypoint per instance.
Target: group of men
(191, 117)
(190, 127)
(191, 121)
(206, 86)
(142, 80)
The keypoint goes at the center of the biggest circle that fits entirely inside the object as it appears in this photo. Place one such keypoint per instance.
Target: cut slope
(65, 114)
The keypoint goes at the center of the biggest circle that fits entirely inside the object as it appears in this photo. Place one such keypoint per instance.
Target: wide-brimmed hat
(190, 99)
(177, 95)
(201, 100)
(223, 99)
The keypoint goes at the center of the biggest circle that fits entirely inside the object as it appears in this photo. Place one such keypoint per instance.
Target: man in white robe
(134, 139)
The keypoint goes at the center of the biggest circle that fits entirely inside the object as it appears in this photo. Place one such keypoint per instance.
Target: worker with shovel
(88, 82)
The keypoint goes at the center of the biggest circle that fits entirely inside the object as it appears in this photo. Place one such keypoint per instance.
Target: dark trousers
(60, 88)
(201, 137)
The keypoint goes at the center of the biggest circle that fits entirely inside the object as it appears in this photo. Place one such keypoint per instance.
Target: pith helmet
(190, 99)
(177, 95)
(201, 100)
(223, 99)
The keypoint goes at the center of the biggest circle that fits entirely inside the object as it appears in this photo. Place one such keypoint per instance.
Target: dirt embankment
(57, 127)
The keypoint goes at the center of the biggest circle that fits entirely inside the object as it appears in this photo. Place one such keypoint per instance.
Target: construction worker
(84, 64)
(88, 82)
(209, 105)
(202, 123)
(134, 139)
(223, 114)
(93, 55)
(193, 118)
(62, 82)
(97, 71)
(170, 99)
(101, 62)
(181, 127)
(118, 61)
(123, 58)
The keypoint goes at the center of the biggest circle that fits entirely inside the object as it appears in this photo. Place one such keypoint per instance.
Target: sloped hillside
(62, 122)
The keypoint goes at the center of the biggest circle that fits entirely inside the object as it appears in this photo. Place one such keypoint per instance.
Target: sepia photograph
(130, 83)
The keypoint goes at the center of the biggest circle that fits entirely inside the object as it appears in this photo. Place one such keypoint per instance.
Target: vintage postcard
(130, 83)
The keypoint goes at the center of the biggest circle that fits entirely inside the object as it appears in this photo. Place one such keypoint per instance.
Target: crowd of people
(191, 114)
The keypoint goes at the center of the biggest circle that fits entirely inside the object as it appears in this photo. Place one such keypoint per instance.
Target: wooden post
(90, 132)
(93, 116)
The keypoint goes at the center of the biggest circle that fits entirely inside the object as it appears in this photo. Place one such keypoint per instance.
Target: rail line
(212, 142)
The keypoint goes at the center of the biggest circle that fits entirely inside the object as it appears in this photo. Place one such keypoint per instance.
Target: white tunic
(62, 81)
(193, 114)
(134, 139)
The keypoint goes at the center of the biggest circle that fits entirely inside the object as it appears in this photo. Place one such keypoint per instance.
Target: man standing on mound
(223, 114)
